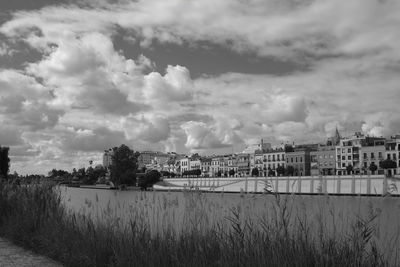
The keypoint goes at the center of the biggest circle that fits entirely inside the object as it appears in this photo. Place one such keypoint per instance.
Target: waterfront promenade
(335, 185)
(14, 256)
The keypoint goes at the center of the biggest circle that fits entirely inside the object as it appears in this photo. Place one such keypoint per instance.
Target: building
(215, 166)
(107, 158)
(250, 149)
(223, 165)
(372, 154)
(205, 167)
(348, 154)
(258, 162)
(300, 160)
(272, 159)
(392, 147)
(323, 161)
(184, 164)
(232, 165)
(243, 164)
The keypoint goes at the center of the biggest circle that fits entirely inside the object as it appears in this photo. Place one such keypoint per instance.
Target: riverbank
(36, 218)
(12, 255)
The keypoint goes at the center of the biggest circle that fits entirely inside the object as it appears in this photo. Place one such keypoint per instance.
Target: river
(335, 215)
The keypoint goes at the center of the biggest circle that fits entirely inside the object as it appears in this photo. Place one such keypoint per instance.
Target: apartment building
(243, 164)
(184, 164)
(300, 160)
(107, 157)
(205, 167)
(323, 161)
(372, 155)
(392, 147)
(348, 154)
(215, 161)
(232, 164)
(272, 159)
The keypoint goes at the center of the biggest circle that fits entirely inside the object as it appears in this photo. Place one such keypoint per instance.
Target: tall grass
(34, 217)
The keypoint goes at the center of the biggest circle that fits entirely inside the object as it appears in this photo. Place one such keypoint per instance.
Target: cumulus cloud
(83, 84)
(97, 139)
(381, 124)
(175, 85)
(203, 136)
(278, 28)
(151, 130)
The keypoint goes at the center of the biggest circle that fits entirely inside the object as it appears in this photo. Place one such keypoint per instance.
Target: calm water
(175, 210)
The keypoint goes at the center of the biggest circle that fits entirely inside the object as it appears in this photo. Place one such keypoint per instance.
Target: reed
(35, 217)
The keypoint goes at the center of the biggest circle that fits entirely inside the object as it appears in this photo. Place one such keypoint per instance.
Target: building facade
(323, 161)
(243, 164)
(272, 159)
(300, 160)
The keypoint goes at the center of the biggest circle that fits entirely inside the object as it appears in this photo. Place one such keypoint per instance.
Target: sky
(81, 76)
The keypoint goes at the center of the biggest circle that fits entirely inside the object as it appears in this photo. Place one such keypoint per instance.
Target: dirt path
(12, 255)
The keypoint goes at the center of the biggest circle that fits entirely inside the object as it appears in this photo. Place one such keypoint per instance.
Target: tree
(4, 161)
(387, 164)
(231, 172)
(197, 172)
(349, 168)
(280, 170)
(373, 167)
(149, 179)
(271, 172)
(290, 170)
(124, 165)
(254, 172)
(93, 174)
(219, 173)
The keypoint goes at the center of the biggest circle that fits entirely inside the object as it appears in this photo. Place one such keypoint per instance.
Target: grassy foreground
(34, 217)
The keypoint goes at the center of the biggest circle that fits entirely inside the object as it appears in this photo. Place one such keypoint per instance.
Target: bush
(149, 179)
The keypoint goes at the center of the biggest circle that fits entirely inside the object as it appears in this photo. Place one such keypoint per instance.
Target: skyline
(81, 76)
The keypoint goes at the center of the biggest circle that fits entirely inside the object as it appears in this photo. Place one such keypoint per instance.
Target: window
(394, 156)
(343, 157)
(349, 157)
(372, 155)
(365, 155)
(343, 165)
(283, 157)
(301, 159)
(380, 155)
(269, 157)
(291, 160)
(365, 164)
(296, 159)
(277, 158)
(349, 150)
(388, 156)
(338, 157)
(343, 150)
(273, 157)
